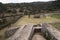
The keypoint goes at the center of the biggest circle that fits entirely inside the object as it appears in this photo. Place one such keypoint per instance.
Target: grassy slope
(57, 25)
(56, 16)
(25, 20)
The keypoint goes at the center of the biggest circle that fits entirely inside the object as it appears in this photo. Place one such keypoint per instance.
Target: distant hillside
(35, 6)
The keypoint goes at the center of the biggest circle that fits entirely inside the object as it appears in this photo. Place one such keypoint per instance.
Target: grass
(25, 20)
(56, 16)
(56, 25)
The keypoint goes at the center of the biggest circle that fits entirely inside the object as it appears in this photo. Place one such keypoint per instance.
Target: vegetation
(56, 4)
(2, 8)
(56, 25)
(26, 19)
(56, 16)
(33, 7)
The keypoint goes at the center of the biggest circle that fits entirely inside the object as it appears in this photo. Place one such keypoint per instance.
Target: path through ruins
(38, 36)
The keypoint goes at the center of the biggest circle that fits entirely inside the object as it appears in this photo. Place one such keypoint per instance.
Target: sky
(20, 1)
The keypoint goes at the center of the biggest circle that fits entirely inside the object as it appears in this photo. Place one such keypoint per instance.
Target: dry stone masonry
(26, 31)
(50, 32)
(23, 33)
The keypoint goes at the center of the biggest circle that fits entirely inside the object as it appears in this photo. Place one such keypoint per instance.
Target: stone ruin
(10, 32)
(26, 32)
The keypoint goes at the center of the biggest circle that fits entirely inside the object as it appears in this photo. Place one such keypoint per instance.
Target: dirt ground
(37, 36)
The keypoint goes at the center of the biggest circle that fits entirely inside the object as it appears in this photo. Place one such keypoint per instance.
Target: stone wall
(9, 20)
(50, 32)
(10, 32)
(23, 33)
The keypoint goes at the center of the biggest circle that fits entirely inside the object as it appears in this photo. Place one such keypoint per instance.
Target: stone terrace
(23, 33)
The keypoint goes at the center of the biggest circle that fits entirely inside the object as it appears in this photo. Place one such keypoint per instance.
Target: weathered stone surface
(26, 31)
(22, 33)
(10, 32)
(50, 32)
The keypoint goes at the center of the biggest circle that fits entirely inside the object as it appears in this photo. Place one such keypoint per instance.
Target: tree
(14, 11)
(56, 4)
(2, 8)
(9, 11)
(20, 10)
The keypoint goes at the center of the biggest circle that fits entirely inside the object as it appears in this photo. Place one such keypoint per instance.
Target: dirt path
(37, 36)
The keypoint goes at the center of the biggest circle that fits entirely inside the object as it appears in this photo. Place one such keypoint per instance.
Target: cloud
(19, 1)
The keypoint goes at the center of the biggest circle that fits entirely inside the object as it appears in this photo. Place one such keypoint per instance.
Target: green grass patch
(56, 16)
(26, 20)
(56, 25)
